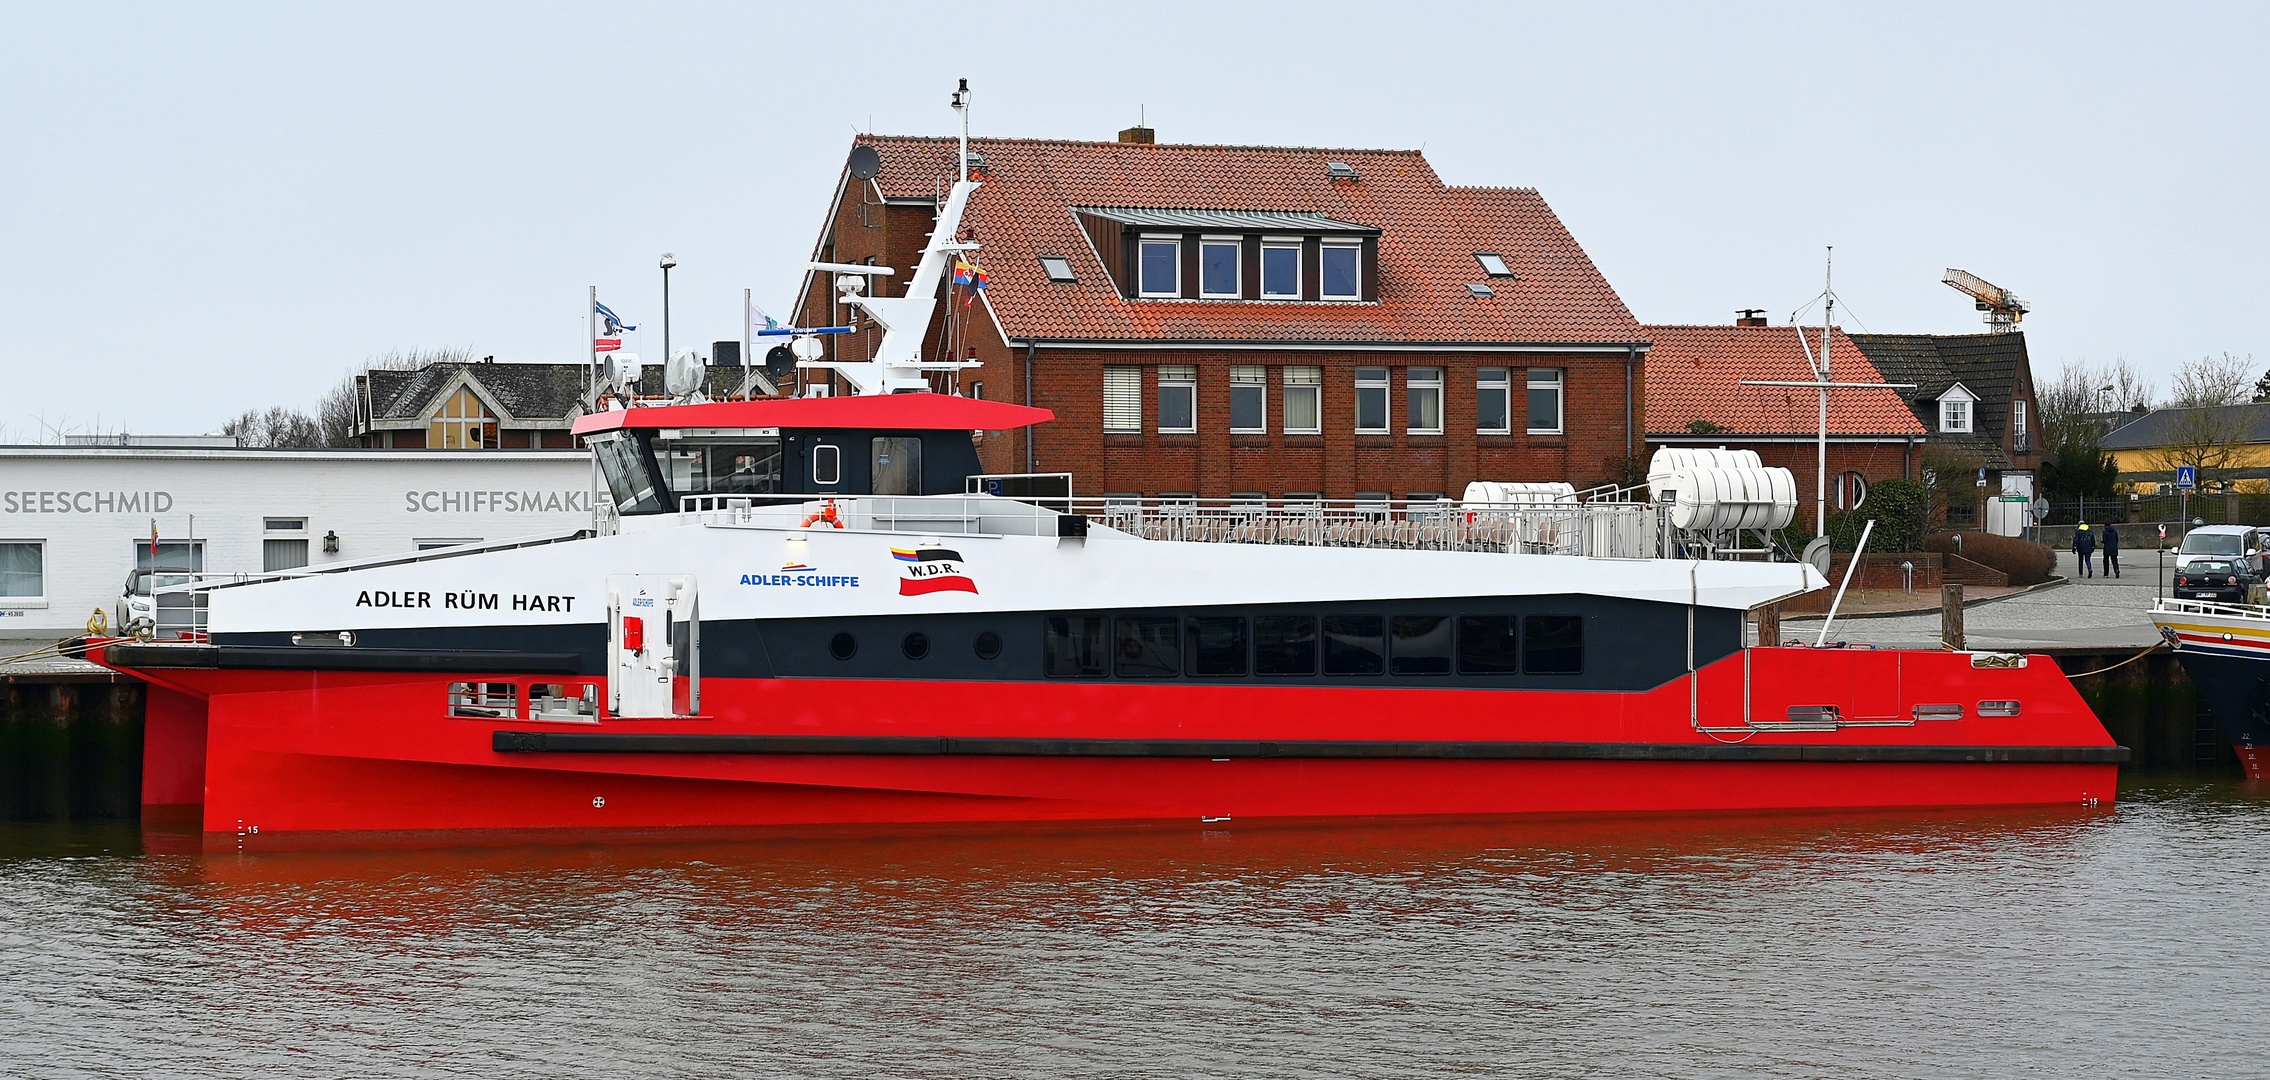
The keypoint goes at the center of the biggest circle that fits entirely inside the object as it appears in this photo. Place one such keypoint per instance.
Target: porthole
(843, 646)
(988, 645)
(916, 645)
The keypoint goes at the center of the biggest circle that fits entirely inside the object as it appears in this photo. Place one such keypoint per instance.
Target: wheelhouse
(655, 458)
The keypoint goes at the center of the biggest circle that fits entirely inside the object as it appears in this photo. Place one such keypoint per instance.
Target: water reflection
(1942, 944)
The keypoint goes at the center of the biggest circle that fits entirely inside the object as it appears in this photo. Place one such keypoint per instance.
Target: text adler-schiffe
(497, 502)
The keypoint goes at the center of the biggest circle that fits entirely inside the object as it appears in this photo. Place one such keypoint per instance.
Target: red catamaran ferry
(816, 611)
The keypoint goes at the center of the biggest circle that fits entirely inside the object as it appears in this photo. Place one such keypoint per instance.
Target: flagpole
(591, 346)
(748, 345)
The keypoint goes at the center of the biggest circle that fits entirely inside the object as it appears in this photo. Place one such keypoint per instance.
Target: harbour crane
(2002, 307)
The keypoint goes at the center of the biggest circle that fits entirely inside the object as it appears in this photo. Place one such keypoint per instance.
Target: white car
(2218, 542)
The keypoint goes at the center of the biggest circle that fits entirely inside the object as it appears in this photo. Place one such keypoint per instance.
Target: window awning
(1238, 221)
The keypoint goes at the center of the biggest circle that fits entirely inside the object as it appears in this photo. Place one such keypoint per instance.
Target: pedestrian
(2084, 545)
(2111, 543)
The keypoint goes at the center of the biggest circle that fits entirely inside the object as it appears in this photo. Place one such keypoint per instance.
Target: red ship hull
(296, 753)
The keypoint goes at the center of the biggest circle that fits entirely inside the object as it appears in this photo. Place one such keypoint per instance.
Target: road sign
(2186, 477)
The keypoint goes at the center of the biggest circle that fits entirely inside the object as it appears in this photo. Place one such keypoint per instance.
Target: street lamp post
(668, 261)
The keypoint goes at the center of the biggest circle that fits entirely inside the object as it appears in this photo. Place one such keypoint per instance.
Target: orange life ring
(826, 514)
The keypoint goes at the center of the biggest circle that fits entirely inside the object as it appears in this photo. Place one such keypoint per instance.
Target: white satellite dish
(682, 375)
(1817, 553)
(622, 372)
(806, 347)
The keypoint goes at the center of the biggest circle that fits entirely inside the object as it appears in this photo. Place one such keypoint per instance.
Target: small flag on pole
(153, 542)
(964, 273)
(759, 322)
(614, 325)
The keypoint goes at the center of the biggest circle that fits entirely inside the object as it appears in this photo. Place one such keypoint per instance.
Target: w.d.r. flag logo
(929, 569)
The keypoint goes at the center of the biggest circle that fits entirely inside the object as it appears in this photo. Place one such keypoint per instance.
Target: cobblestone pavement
(2094, 612)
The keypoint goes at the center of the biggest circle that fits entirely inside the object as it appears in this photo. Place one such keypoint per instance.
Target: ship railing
(1621, 530)
(1606, 530)
(2216, 608)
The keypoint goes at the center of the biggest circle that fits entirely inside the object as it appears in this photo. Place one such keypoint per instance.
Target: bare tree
(2205, 433)
(2213, 380)
(2083, 401)
(275, 426)
(339, 411)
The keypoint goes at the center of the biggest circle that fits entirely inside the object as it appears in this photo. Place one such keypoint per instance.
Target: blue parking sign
(2186, 477)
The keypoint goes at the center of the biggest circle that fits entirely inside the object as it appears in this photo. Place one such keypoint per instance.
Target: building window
(1954, 415)
(1544, 401)
(977, 389)
(1371, 399)
(1493, 264)
(1422, 400)
(283, 554)
(2018, 423)
(1161, 270)
(462, 424)
(23, 570)
(1217, 269)
(1058, 268)
(1340, 274)
(1851, 491)
(1249, 395)
(1122, 398)
(1493, 401)
(1280, 271)
(1178, 397)
(1304, 400)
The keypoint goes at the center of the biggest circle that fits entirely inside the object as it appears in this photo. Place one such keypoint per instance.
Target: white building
(76, 521)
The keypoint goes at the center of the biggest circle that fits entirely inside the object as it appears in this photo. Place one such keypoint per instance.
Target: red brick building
(1696, 397)
(1238, 321)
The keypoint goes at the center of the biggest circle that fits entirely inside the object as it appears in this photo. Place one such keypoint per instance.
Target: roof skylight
(1493, 264)
(1481, 290)
(1339, 170)
(1058, 268)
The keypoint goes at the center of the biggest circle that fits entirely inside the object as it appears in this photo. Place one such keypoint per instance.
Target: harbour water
(2055, 943)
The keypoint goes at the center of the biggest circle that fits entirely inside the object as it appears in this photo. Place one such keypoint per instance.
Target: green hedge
(1901, 510)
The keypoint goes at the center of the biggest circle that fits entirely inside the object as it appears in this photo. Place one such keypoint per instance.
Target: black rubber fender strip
(598, 742)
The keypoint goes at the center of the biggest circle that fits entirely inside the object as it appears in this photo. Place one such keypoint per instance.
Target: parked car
(2209, 578)
(2218, 542)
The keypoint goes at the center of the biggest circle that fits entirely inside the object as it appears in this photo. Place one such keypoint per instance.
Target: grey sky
(204, 207)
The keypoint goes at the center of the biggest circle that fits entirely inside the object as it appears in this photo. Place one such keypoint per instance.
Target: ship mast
(897, 366)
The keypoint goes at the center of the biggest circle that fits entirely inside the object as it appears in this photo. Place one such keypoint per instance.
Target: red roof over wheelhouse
(908, 412)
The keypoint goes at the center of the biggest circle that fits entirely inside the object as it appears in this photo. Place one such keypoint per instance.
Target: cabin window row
(1300, 399)
(1234, 646)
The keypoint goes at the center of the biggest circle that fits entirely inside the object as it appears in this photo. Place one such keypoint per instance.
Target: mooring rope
(2150, 649)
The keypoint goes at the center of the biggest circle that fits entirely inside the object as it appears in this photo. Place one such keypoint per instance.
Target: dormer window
(1281, 270)
(1493, 264)
(1217, 268)
(1161, 266)
(1955, 410)
(1340, 272)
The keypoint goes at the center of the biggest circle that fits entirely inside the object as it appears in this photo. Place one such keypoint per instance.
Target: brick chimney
(1750, 316)
(1138, 134)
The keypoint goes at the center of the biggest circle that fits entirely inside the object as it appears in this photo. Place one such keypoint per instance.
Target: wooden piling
(1769, 625)
(1951, 616)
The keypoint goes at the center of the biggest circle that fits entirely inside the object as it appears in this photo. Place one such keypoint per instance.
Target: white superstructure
(76, 521)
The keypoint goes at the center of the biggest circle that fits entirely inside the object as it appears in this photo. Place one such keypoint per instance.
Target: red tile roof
(1429, 234)
(1696, 373)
